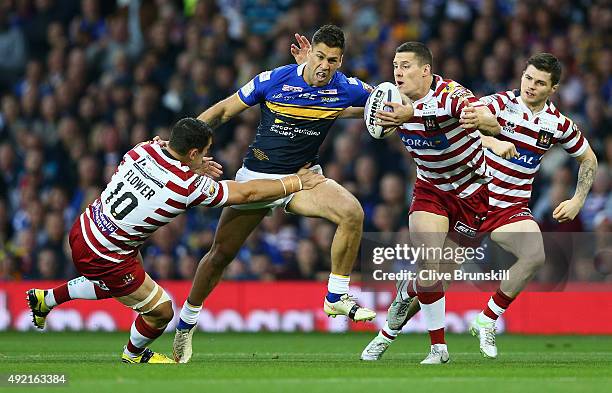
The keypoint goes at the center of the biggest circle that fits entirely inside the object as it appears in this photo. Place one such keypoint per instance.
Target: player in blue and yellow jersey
(299, 104)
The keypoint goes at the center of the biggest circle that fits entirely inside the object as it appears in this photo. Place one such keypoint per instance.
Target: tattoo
(586, 175)
(214, 123)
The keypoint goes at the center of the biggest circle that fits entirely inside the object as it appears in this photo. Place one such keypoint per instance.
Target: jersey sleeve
(207, 192)
(255, 90)
(359, 92)
(458, 98)
(572, 139)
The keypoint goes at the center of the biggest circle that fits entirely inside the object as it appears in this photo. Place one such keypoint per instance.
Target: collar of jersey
(532, 115)
(431, 91)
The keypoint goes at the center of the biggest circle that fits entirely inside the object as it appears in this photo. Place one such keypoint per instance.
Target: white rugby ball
(386, 91)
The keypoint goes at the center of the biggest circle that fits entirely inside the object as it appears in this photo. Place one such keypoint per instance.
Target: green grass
(266, 362)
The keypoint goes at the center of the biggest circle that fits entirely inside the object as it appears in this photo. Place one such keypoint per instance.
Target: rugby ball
(386, 91)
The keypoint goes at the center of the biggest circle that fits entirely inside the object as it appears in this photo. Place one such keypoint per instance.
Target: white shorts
(244, 175)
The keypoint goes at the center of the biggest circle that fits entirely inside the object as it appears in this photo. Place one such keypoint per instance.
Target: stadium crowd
(83, 81)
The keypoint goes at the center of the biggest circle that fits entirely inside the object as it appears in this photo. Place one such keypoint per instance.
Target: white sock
(482, 317)
(338, 284)
(190, 313)
(388, 332)
(50, 299)
(81, 288)
(434, 314)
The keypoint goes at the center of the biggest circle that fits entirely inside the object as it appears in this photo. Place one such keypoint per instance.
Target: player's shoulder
(279, 73)
(448, 88)
(506, 97)
(349, 82)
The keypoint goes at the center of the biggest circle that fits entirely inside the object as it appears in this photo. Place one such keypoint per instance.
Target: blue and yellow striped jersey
(295, 117)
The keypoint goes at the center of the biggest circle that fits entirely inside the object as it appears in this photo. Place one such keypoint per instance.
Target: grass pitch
(268, 362)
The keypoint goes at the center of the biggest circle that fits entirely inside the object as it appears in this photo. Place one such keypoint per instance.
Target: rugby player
(298, 104)
(530, 125)
(152, 185)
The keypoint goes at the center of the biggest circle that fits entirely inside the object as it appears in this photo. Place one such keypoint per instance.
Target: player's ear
(426, 69)
(340, 61)
(554, 88)
(193, 153)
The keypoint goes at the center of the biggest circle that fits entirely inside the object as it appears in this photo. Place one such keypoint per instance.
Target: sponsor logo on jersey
(436, 142)
(264, 76)
(247, 89)
(465, 230)
(212, 189)
(526, 213)
(143, 166)
(330, 99)
(295, 89)
(308, 96)
(328, 91)
(509, 127)
(103, 223)
(527, 158)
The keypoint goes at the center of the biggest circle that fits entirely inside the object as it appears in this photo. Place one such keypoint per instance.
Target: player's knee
(535, 258)
(350, 212)
(220, 255)
(163, 314)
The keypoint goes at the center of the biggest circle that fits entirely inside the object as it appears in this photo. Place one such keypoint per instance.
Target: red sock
(61, 293)
(101, 293)
(498, 303)
(141, 335)
(433, 307)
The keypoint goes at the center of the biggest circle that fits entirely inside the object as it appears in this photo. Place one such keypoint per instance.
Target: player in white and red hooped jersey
(152, 185)
(450, 198)
(530, 125)
(533, 134)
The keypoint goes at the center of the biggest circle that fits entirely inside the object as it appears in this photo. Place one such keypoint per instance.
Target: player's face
(196, 158)
(409, 74)
(536, 86)
(322, 63)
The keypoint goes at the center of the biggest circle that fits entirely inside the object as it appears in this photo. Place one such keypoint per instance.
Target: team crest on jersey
(431, 123)
(128, 278)
(544, 139)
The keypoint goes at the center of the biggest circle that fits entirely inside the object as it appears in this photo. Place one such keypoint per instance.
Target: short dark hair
(420, 50)
(189, 133)
(330, 35)
(548, 63)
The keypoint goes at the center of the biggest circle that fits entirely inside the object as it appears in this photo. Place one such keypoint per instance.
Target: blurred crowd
(81, 81)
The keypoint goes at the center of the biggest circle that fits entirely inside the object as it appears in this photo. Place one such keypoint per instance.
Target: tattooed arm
(568, 210)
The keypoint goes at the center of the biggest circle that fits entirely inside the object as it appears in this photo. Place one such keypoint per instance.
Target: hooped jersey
(446, 155)
(533, 134)
(147, 191)
(295, 117)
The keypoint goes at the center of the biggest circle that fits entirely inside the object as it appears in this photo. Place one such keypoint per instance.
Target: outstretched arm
(481, 118)
(503, 149)
(569, 209)
(270, 189)
(223, 111)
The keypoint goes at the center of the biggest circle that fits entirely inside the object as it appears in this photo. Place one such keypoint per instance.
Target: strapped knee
(148, 305)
